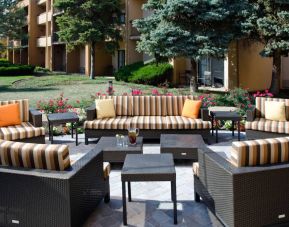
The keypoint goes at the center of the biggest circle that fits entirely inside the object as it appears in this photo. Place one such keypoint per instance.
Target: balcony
(44, 41)
(41, 2)
(56, 39)
(23, 3)
(57, 12)
(44, 17)
(134, 34)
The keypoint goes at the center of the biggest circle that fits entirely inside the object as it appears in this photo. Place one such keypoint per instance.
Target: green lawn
(74, 87)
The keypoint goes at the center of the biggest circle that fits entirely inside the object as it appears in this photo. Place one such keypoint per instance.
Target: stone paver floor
(151, 205)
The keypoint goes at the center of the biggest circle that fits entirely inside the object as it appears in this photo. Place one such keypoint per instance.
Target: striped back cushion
(260, 152)
(175, 104)
(122, 104)
(149, 106)
(24, 108)
(260, 106)
(34, 156)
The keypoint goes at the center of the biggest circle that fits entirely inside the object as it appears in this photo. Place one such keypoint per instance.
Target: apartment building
(243, 67)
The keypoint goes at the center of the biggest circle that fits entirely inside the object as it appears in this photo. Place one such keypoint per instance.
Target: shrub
(152, 74)
(4, 62)
(39, 69)
(125, 72)
(16, 70)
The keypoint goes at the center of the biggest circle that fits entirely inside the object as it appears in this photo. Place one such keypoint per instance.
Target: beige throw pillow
(105, 108)
(275, 111)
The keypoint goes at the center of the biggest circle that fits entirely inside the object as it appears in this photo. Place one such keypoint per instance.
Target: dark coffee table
(182, 146)
(113, 153)
(225, 116)
(148, 167)
(63, 118)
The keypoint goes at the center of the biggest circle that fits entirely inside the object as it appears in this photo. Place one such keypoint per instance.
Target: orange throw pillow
(10, 115)
(191, 108)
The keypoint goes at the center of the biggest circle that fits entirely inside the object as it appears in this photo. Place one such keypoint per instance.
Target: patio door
(120, 58)
(211, 72)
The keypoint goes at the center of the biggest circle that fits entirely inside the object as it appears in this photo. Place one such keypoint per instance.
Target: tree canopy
(89, 22)
(12, 20)
(191, 28)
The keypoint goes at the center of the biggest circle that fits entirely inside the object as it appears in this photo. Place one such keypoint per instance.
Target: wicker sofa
(250, 188)
(30, 130)
(153, 115)
(61, 192)
(258, 127)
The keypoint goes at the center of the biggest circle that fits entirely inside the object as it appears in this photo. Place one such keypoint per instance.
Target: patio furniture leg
(72, 126)
(51, 131)
(76, 136)
(197, 197)
(233, 128)
(129, 191)
(86, 140)
(124, 204)
(212, 122)
(174, 195)
(239, 131)
(217, 139)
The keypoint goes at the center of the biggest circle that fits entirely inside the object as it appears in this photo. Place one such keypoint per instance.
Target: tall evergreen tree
(192, 28)
(89, 22)
(271, 27)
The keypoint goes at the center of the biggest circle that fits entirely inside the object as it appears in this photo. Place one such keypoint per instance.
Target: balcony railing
(40, 2)
(43, 18)
(57, 12)
(133, 32)
(55, 38)
(44, 41)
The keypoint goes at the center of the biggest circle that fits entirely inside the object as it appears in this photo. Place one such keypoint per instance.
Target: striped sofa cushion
(23, 131)
(24, 108)
(149, 106)
(120, 122)
(122, 104)
(260, 106)
(260, 152)
(36, 156)
(175, 104)
(149, 122)
(179, 122)
(261, 124)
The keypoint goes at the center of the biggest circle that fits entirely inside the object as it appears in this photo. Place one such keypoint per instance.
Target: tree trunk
(194, 79)
(276, 73)
(92, 60)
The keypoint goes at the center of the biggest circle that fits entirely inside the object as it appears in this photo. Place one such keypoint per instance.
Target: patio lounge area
(174, 167)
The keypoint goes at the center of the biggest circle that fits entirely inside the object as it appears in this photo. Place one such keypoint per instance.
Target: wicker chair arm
(35, 117)
(91, 113)
(205, 114)
(251, 113)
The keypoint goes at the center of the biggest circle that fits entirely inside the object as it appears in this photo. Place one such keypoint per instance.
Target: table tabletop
(226, 115)
(63, 117)
(148, 164)
(181, 141)
(109, 144)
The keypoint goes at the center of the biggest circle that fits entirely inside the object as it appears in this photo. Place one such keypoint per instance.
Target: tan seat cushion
(106, 169)
(34, 156)
(23, 131)
(120, 122)
(261, 124)
(179, 122)
(149, 122)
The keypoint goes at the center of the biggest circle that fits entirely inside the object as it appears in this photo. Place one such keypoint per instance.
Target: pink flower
(155, 92)
(77, 101)
(170, 94)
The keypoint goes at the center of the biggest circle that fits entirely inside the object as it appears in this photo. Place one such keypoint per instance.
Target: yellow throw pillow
(191, 108)
(275, 111)
(105, 108)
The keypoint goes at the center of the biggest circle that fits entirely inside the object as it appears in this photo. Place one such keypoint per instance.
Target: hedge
(125, 72)
(16, 70)
(151, 74)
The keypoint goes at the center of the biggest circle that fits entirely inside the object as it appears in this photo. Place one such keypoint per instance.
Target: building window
(211, 72)
(120, 58)
(122, 18)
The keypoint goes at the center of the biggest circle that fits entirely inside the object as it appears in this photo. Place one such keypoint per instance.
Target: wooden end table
(226, 116)
(182, 146)
(63, 118)
(113, 153)
(148, 167)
